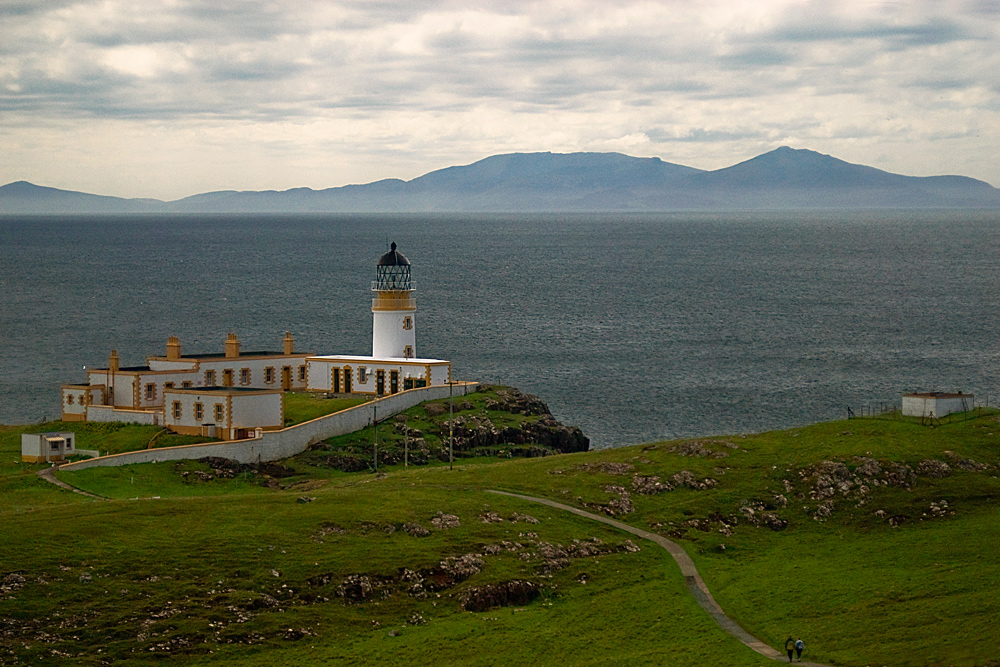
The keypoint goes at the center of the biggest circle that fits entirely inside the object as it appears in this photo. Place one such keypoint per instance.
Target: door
(227, 377)
(380, 382)
(393, 382)
(286, 377)
(347, 380)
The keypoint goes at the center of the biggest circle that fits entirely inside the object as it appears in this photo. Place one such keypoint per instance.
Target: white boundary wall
(107, 413)
(276, 445)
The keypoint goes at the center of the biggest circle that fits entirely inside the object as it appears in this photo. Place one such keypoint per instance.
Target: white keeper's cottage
(235, 393)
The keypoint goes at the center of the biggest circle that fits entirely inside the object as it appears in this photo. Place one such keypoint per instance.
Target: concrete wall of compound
(276, 445)
(106, 413)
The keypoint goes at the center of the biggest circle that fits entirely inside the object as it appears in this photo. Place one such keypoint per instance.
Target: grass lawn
(302, 407)
(872, 540)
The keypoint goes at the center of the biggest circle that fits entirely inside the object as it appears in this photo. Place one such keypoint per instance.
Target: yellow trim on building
(25, 458)
(390, 300)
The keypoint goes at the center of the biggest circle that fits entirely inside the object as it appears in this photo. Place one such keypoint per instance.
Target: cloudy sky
(166, 99)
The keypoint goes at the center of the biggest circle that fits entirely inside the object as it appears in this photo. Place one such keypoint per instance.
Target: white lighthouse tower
(393, 308)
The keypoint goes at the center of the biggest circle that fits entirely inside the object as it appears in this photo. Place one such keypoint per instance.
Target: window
(168, 385)
(186, 384)
(199, 411)
(209, 378)
(220, 413)
(269, 375)
(302, 373)
(177, 409)
(408, 351)
(69, 399)
(362, 375)
(150, 392)
(244, 376)
(407, 322)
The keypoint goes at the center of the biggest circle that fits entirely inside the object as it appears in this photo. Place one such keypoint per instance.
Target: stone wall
(276, 445)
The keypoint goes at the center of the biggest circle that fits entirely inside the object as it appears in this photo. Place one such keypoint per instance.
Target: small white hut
(46, 447)
(936, 403)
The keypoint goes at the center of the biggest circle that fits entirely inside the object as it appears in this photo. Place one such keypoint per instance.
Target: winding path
(694, 581)
(48, 474)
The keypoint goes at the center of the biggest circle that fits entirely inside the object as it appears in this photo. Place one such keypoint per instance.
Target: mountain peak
(21, 186)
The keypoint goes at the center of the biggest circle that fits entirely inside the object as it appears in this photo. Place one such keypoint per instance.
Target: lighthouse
(231, 394)
(393, 308)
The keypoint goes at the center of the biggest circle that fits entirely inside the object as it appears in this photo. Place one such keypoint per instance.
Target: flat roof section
(376, 360)
(221, 390)
(222, 355)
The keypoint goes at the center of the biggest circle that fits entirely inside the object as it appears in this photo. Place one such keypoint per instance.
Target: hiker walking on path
(799, 645)
(790, 648)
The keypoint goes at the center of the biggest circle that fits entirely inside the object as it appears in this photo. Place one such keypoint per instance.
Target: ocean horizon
(635, 327)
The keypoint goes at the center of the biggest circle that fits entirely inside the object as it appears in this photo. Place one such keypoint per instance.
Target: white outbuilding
(46, 447)
(936, 404)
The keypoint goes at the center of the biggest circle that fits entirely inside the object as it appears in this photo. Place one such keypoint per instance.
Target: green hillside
(873, 540)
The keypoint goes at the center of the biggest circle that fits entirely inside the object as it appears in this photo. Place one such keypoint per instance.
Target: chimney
(232, 346)
(289, 343)
(173, 348)
(113, 361)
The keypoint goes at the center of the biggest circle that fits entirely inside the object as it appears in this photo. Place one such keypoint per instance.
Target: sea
(635, 327)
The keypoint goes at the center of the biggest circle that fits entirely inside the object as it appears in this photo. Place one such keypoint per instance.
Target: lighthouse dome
(393, 258)
(392, 272)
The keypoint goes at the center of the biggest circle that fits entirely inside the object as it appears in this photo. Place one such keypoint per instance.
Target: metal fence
(892, 411)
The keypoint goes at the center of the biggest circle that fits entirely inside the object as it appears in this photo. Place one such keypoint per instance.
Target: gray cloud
(450, 80)
(752, 58)
(914, 35)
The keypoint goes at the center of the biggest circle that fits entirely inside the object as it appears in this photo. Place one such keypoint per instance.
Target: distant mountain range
(784, 178)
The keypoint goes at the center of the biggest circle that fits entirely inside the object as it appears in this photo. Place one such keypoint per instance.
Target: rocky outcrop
(703, 449)
(934, 468)
(608, 467)
(265, 473)
(483, 427)
(416, 530)
(479, 433)
(509, 593)
(355, 588)
(442, 521)
(963, 463)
